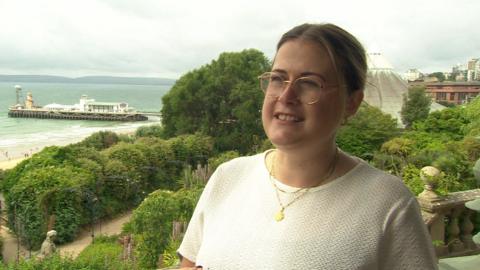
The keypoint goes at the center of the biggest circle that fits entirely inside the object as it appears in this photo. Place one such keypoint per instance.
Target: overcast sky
(168, 38)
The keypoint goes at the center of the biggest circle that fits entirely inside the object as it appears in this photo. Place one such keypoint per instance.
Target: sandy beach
(9, 164)
(10, 157)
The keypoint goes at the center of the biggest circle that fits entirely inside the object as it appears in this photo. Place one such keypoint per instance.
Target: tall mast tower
(18, 92)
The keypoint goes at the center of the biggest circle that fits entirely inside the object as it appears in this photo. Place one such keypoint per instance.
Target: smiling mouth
(287, 117)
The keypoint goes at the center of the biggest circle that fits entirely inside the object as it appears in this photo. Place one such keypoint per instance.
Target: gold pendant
(279, 215)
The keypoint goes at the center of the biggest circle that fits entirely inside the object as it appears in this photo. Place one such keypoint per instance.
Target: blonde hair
(346, 52)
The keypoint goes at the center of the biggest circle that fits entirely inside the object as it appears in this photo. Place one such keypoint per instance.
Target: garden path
(10, 246)
(106, 227)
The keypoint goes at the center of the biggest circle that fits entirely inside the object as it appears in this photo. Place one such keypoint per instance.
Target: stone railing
(450, 223)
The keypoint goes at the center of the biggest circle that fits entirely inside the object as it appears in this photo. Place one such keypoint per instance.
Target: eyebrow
(303, 74)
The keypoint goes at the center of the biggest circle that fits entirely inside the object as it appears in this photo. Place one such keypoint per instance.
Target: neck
(303, 170)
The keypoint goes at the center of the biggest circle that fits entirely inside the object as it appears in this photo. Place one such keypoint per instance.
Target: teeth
(285, 117)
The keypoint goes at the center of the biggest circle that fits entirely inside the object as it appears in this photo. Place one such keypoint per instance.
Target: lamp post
(91, 200)
(17, 229)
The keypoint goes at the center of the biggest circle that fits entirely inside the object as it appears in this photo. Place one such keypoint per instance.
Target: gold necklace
(280, 215)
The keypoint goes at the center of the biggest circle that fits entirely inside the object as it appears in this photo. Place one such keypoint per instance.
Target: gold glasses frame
(265, 83)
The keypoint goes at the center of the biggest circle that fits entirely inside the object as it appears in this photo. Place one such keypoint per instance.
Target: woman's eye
(276, 78)
(310, 83)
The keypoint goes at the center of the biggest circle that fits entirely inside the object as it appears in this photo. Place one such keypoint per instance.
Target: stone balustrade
(449, 222)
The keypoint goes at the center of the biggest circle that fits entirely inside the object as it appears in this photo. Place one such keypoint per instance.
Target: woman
(307, 204)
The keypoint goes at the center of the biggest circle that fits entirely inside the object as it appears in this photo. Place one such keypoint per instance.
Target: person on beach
(307, 204)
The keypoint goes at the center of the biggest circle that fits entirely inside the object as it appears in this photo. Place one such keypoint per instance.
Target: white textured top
(366, 219)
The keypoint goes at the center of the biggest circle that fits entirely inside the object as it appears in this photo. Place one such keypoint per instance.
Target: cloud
(169, 38)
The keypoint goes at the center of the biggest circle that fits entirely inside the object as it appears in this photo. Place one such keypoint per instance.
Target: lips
(287, 117)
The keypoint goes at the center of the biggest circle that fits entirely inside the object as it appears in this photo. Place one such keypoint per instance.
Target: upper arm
(406, 243)
(193, 238)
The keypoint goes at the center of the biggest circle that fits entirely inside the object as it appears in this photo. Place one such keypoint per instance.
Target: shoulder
(241, 165)
(375, 188)
(240, 162)
(381, 182)
(378, 195)
(235, 171)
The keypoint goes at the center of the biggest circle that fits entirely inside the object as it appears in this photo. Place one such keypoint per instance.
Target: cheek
(266, 111)
(330, 110)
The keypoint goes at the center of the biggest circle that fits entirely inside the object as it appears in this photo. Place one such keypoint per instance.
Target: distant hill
(87, 79)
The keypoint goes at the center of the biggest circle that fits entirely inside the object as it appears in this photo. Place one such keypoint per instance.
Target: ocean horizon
(24, 136)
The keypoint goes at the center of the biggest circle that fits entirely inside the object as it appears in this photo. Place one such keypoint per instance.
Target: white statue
(48, 246)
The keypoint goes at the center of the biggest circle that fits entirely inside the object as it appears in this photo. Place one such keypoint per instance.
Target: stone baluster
(467, 229)
(449, 218)
(429, 176)
(453, 229)
(428, 197)
(475, 206)
(437, 233)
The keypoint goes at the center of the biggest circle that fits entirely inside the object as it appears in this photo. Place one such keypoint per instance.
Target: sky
(159, 38)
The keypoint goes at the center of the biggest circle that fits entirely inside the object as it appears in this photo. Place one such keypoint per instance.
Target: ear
(353, 102)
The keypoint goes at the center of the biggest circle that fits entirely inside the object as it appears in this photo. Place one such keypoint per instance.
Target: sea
(21, 137)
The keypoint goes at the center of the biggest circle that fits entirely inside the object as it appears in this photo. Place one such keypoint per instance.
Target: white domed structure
(385, 88)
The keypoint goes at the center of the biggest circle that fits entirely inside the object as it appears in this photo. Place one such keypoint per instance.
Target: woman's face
(290, 123)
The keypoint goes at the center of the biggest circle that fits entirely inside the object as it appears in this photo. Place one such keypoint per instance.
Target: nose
(288, 95)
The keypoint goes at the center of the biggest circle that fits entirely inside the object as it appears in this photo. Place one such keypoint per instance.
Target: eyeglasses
(308, 89)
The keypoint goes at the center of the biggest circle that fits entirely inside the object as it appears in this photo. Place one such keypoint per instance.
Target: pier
(75, 115)
(86, 109)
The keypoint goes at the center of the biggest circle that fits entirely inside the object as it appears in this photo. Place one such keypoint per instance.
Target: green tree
(449, 123)
(472, 113)
(439, 75)
(367, 131)
(416, 105)
(221, 99)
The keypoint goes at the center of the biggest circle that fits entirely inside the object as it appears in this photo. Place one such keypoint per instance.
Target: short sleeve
(194, 235)
(406, 243)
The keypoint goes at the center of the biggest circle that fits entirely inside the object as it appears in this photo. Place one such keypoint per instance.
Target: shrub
(1, 249)
(125, 168)
(104, 254)
(471, 145)
(149, 131)
(54, 262)
(151, 222)
(44, 192)
(391, 163)
(169, 255)
(214, 162)
(411, 178)
(100, 140)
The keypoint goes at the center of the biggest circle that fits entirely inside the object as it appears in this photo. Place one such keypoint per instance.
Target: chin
(280, 141)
